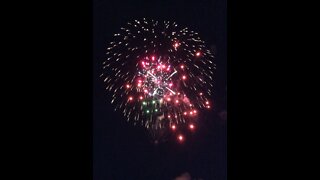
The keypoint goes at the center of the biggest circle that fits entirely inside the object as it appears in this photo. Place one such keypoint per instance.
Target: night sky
(123, 151)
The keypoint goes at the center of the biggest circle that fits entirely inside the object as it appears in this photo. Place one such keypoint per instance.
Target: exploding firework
(160, 75)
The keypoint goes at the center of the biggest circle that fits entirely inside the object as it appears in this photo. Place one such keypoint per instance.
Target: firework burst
(160, 75)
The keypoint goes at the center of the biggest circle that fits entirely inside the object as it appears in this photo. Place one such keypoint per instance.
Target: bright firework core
(158, 77)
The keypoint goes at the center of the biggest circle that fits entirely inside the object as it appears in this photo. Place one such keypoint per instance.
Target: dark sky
(122, 151)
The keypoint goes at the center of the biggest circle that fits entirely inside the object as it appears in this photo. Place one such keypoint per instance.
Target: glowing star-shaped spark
(180, 138)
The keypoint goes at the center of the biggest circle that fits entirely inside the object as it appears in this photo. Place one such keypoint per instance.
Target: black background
(49, 80)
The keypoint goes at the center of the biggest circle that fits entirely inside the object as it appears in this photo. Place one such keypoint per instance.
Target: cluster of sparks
(160, 75)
